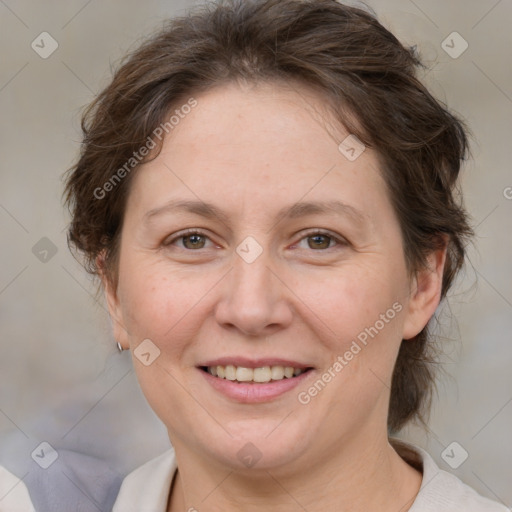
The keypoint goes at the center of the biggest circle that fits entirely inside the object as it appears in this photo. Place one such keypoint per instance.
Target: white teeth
(244, 374)
(288, 372)
(261, 375)
(277, 372)
(229, 372)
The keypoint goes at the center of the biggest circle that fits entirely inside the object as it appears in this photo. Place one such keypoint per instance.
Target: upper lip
(254, 363)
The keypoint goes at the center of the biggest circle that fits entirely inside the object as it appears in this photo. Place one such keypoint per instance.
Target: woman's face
(296, 260)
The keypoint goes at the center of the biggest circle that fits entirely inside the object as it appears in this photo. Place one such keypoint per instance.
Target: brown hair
(363, 72)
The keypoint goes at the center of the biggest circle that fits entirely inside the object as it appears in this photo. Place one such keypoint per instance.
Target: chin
(260, 444)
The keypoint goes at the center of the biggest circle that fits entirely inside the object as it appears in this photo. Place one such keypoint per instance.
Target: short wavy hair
(368, 79)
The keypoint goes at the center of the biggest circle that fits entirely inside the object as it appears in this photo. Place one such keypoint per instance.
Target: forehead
(278, 114)
(260, 146)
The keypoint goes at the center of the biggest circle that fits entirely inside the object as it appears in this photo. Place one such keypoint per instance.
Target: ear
(425, 293)
(114, 307)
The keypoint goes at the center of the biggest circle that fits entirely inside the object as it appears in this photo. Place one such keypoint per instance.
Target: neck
(351, 477)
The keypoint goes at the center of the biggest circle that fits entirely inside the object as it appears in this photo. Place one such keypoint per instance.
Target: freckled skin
(251, 151)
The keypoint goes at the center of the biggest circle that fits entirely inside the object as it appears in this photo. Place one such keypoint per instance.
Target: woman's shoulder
(440, 490)
(147, 487)
(73, 481)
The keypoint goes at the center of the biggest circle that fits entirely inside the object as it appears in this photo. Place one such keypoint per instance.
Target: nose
(255, 299)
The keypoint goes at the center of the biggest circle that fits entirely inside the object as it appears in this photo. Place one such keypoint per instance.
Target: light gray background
(61, 380)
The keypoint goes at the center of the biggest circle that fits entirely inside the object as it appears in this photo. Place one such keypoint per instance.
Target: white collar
(147, 488)
(14, 496)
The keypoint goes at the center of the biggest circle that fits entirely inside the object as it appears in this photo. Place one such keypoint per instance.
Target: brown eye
(195, 241)
(319, 241)
(189, 240)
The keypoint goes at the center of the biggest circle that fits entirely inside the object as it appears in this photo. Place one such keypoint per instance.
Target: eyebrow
(312, 208)
(294, 211)
(201, 208)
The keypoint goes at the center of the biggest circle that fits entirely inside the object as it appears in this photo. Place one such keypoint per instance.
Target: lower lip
(248, 392)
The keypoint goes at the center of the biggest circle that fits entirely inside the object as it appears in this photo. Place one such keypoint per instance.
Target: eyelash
(189, 232)
(341, 242)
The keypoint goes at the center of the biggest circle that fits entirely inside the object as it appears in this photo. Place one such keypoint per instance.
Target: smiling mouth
(261, 375)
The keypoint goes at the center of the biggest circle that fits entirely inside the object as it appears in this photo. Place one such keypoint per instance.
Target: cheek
(151, 302)
(352, 299)
(165, 310)
(163, 303)
(358, 312)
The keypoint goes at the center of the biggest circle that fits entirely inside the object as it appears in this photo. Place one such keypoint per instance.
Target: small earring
(119, 347)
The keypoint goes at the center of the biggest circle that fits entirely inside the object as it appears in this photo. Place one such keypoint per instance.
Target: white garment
(14, 496)
(147, 488)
